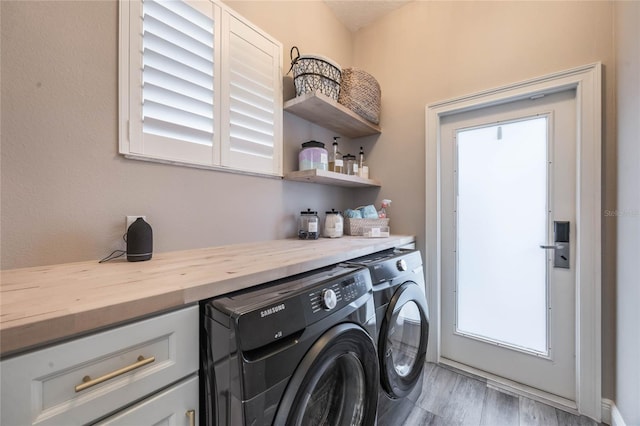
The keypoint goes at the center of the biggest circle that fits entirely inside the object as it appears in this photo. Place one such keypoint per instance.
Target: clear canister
(308, 225)
(350, 164)
(313, 156)
(333, 224)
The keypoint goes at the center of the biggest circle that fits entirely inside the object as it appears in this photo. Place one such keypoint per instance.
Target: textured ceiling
(355, 14)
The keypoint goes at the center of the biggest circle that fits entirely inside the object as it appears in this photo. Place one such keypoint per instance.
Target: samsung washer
(298, 351)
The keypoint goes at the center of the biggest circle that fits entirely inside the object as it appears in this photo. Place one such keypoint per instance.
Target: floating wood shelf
(331, 178)
(324, 111)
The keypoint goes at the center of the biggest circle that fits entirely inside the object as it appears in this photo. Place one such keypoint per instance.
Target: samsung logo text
(272, 310)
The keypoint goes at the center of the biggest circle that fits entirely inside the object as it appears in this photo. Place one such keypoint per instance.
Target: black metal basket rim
(319, 75)
(320, 59)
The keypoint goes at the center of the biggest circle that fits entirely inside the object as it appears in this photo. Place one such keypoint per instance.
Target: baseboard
(616, 417)
(607, 405)
(610, 413)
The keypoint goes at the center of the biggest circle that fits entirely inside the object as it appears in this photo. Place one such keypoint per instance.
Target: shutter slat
(176, 131)
(177, 69)
(165, 32)
(164, 96)
(175, 18)
(177, 72)
(167, 49)
(242, 120)
(251, 110)
(246, 147)
(177, 116)
(256, 89)
(187, 88)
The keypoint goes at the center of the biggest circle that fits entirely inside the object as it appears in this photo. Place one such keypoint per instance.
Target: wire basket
(360, 92)
(314, 73)
(356, 226)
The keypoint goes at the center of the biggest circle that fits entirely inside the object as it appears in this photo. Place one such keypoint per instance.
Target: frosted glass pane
(501, 222)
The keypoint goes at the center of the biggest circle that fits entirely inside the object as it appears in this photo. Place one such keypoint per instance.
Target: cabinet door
(176, 406)
(85, 379)
(252, 98)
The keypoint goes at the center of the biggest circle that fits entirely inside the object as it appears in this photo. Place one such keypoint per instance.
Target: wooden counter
(45, 304)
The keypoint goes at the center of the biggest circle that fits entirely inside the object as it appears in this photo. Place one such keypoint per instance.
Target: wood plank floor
(449, 398)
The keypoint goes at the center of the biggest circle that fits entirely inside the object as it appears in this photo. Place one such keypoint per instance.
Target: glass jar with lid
(313, 156)
(308, 225)
(350, 164)
(333, 224)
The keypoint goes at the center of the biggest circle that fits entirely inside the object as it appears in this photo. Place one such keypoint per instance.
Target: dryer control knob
(401, 265)
(329, 299)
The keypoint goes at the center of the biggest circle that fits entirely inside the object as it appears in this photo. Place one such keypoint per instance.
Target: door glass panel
(404, 338)
(501, 212)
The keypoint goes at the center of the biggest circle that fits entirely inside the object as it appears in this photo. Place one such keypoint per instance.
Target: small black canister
(139, 241)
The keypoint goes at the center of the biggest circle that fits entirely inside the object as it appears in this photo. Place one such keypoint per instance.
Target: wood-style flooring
(449, 398)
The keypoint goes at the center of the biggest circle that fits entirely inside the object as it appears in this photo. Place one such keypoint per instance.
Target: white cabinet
(174, 406)
(88, 378)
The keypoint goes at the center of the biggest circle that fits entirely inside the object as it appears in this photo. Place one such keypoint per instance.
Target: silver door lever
(553, 247)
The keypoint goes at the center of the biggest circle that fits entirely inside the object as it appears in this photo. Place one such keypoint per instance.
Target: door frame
(587, 82)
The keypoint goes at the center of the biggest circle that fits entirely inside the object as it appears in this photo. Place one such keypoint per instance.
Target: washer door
(336, 382)
(403, 340)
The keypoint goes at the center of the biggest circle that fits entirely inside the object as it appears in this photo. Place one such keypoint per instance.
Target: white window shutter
(176, 82)
(199, 86)
(252, 118)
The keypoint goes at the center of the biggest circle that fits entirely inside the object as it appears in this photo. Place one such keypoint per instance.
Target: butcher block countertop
(46, 304)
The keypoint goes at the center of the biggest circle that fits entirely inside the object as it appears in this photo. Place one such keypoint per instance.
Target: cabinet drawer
(169, 407)
(121, 365)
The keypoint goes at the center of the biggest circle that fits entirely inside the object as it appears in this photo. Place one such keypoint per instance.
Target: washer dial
(329, 299)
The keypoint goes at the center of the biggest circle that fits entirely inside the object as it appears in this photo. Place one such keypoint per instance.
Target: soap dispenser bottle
(336, 163)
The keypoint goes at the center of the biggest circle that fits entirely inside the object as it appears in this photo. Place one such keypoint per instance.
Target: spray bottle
(382, 213)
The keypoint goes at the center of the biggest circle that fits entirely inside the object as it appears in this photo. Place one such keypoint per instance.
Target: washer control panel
(339, 293)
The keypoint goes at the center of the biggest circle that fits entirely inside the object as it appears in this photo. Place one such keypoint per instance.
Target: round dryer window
(404, 338)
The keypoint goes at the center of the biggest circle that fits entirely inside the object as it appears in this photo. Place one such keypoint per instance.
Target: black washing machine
(298, 351)
(402, 324)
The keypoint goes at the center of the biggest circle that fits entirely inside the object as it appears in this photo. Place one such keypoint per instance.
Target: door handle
(561, 245)
(553, 247)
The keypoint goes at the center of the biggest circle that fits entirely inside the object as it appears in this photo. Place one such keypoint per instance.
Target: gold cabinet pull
(192, 417)
(88, 382)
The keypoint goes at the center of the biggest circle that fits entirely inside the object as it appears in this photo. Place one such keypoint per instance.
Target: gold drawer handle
(192, 417)
(87, 382)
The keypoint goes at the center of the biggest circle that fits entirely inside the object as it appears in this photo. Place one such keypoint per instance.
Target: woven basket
(313, 73)
(355, 226)
(360, 92)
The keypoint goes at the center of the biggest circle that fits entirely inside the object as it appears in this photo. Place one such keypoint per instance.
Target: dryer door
(403, 340)
(336, 382)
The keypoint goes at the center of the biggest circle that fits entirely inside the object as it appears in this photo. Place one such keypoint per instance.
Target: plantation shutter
(199, 86)
(178, 95)
(253, 117)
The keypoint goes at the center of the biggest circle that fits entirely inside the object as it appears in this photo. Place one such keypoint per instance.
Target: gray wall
(627, 213)
(66, 190)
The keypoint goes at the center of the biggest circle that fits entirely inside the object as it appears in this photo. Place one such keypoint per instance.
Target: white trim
(610, 413)
(587, 81)
(616, 416)
(607, 405)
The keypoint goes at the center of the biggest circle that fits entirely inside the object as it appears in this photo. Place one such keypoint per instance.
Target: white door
(508, 191)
